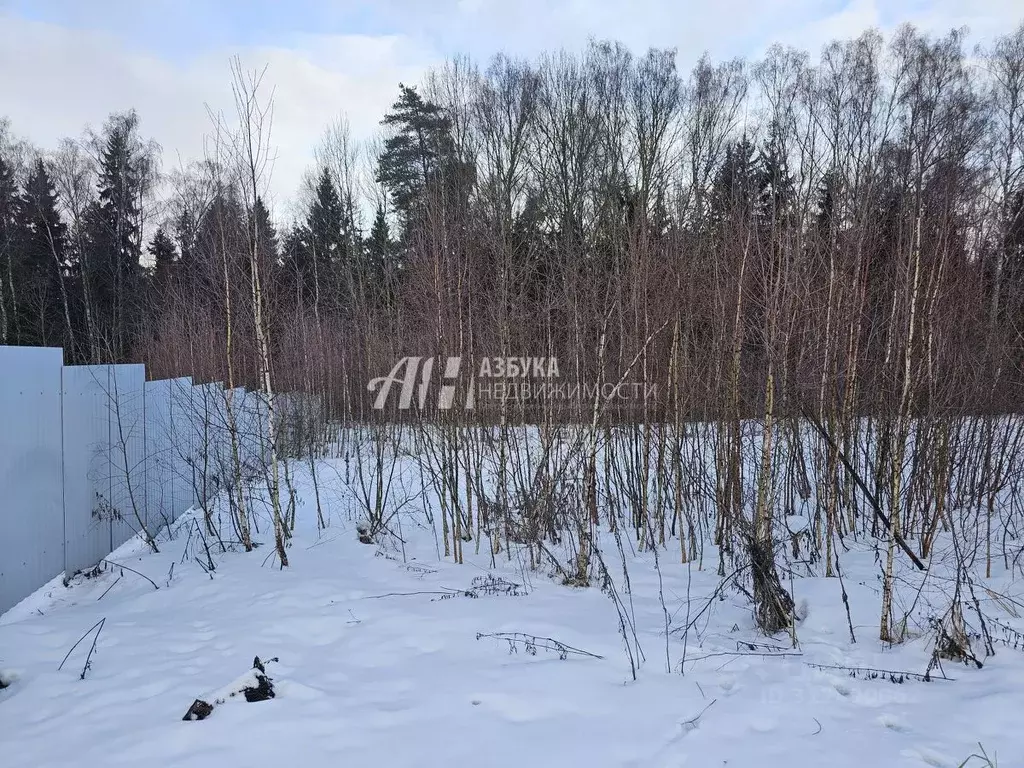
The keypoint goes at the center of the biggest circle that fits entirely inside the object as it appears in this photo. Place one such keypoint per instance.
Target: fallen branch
(1011, 637)
(531, 643)
(114, 584)
(760, 654)
(98, 626)
(132, 570)
(860, 484)
(692, 722)
(767, 649)
(495, 585)
(893, 676)
(443, 593)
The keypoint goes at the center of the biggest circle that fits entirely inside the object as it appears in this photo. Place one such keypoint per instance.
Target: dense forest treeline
(819, 259)
(846, 229)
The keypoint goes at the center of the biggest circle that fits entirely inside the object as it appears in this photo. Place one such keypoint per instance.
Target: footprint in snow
(763, 724)
(929, 757)
(893, 723)
(728, 686)
(668, 755)
(841, 688)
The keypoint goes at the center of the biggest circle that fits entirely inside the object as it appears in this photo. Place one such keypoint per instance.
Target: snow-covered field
(380, 664)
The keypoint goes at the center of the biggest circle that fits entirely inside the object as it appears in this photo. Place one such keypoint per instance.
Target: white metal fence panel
(31, 492)
(89, 455)
(203, 413)
(128, 453)
(86, 429)
(159, 433)
(248, 430)
(183, 446)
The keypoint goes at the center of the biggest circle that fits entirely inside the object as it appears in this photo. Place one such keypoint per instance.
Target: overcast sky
(65, 64)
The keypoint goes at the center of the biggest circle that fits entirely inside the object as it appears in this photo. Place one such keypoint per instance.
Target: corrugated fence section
(91, 454)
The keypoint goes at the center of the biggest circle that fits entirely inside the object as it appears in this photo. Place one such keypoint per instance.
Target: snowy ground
(379, 667)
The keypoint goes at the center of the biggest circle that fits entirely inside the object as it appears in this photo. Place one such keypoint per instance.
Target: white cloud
(59, 80)
(59, 77)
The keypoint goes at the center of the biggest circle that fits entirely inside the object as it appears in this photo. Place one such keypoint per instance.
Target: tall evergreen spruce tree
(165, 257)
(378, 250)
(44, 308)
(115, 240)
(10, 258)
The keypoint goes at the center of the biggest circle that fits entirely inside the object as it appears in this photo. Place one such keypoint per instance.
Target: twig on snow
(444, 592)
(98, 626)
(132, 570)
(692, 722)
(869, 673)
(531, 643)
(108, 589)
(734, 654)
